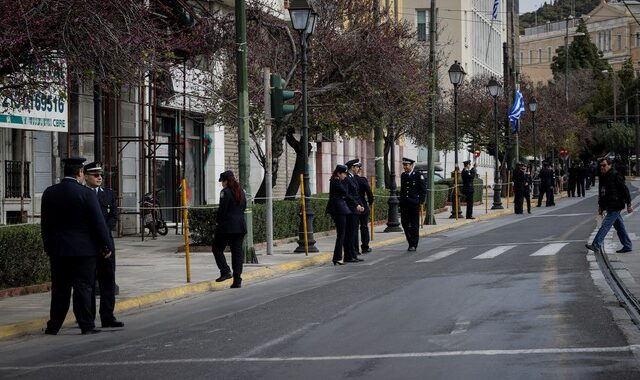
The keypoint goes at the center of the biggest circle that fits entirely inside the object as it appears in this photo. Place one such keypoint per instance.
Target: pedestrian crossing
(548, 249)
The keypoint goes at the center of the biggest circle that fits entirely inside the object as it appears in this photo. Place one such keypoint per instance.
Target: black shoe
(49, 331)
(623, 250)
(237, 283)
(337, 262)
(351, 261)
(223, 277)
(470, 217)
(593, 248)
(411, 249)
(366, 250)
(114, 323)
(359, 259)
(116, 290)
(90, 332)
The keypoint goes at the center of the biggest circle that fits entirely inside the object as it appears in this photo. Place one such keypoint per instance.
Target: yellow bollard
(486, 193)
(304, 217)
(185, 222)
(508, 187)
(455, 181)
(373, 217)
(421, 216)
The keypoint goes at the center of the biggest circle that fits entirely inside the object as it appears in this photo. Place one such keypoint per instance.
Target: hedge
(478, 187)
(285, 218)
(22, 258)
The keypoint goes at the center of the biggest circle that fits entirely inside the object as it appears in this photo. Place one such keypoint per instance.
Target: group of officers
(77, 216)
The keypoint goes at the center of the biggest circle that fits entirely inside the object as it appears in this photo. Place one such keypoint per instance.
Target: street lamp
(456, 76)
(303, 19)
(533, 107)
(566, 61)
(495, 90)
(393, 224)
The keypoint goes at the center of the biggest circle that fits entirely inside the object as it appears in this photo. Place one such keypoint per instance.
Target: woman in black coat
(230, 228)
(338, 208)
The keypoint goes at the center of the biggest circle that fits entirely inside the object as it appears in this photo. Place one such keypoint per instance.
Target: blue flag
(516, 110)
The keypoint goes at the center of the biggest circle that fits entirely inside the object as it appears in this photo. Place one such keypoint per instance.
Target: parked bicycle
(152, 215)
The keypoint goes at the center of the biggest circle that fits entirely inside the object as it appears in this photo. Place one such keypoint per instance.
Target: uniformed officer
(230, 228)
(106, 268)
(468, 175)
(366, 196)
(546, 185)
(339, 206)
(413, 191)
(519, 180)
(353, 219)
(74, 233)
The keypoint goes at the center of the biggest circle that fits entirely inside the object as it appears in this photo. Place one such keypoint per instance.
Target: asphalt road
(511, 298)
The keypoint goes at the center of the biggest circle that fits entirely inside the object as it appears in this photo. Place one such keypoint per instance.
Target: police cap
(406, 160)
(341, 168)
(93, 167)
(73, 161)
(224, 175)
(354, 162)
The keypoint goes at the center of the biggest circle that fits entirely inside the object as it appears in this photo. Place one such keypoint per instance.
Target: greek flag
(516, 110)
(496, 6)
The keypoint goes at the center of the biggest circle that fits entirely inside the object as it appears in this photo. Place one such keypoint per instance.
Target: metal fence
(12, 171)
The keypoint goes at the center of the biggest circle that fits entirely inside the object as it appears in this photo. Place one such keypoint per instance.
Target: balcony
(12, 171)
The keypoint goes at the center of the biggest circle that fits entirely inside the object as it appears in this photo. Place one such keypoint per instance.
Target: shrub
(22, 258)
(478, 186)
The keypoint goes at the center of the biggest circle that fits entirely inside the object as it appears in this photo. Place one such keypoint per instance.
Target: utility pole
(268, 158)
(243, 126)
(433, 67)
(378, 131)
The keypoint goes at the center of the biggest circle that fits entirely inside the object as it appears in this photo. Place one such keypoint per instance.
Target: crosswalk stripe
(490, 254)
(549, 249)
(439, 255)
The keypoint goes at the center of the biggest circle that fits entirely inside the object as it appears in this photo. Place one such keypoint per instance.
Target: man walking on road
(413, 191)
(546, 185)
(106, 267)
(613, 195)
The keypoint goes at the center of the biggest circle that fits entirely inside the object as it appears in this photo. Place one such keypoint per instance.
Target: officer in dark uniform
(339, 206)
(519, 180)
(353, 219)
(527, 188)
(468, 175)
(366, 196)
(106, 268)
(413, 191)
(546, 185)
(74, 233)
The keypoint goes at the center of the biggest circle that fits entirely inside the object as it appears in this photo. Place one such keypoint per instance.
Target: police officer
(74, 234)
(413, 191)
(106, 267)
(353, 219)
(519, 180)
(339, 207)
(527, 188)
(468, 175)
(366, 196)
(546, 185)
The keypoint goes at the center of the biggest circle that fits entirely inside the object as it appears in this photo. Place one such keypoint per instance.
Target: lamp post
(456, 76)
(533, 107)
(393, 225)
(566, 61)
(303, 19)
(495, 90)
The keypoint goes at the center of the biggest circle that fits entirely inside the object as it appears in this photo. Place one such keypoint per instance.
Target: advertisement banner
(44, 111)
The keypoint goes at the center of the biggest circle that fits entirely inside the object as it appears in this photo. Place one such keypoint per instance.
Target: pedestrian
(353, 219)
(519, 180)
(413, 191)
(74, 234)
(613, 195)
(366, 196)
(105, 267)
(468, 175)
(339, 206)
(573, 178)
(231, 228)
(527, 188)
(594, 171)
(547, 181)
(580, 177)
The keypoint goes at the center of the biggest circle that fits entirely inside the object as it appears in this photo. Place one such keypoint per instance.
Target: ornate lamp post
(533, 107)
(456, 76)
(393, 225)
(495, 90)
(303, 19)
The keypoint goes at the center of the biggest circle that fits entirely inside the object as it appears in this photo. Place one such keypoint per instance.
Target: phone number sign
(41, 112)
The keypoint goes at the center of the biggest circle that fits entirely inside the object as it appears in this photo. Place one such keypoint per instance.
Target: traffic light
(278, 98)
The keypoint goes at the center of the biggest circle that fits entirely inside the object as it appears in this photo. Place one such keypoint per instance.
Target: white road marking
(439, 255)
(273, 342)
(559, 215)
(407, 355)
(490, 254)
(373, 261)
(461, 327)
(549, 249)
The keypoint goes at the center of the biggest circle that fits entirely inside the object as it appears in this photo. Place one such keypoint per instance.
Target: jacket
(364, 193)
(71, 221)
(468, 175)
(613, 194)
(413, 189)
(340, 202)
(353, 189)
(107, 201)
(230, 216)
(546, 178)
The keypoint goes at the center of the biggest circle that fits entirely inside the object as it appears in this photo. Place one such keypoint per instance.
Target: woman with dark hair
(230, 228)
(338, 208)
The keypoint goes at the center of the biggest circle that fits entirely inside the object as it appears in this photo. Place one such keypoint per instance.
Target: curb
(167, 295)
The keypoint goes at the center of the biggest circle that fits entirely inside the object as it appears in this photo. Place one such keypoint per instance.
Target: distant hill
(556, 12)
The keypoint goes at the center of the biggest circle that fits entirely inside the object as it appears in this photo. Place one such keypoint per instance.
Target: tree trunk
(387, 170)
(294, 183)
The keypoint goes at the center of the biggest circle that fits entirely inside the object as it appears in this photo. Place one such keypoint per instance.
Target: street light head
(456, 74)
(311, 25)
(494, 87)
(533, 104)
(300, 12)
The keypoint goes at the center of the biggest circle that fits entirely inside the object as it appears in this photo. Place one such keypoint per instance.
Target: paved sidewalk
(153, 271)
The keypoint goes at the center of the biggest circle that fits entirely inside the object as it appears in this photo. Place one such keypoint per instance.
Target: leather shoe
(50, 332)
(366, 250)
(623, 250)
(471, 217)
(358, 259)
(411, 249)
(351, 261)
(593, 248)
(237, 283)
(114, 323)
(90, 332)
(223, 277)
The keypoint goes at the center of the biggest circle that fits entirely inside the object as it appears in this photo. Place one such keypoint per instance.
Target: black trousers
(548, 191)
(364, 230)
(67, 273)
(106, 275)
(580, 185)
(234, 241)
(469, 198)
(518, 201)
(571, 189)
(527, 197)
(351, 237)
(341, 228)
(411, 224)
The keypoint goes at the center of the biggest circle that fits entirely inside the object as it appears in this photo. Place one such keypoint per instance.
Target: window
(619, 41)
(539, 55)
(422, 21)
(522, 58)
(549, 54)
(530, 56)
(637, 39)
(608, 47)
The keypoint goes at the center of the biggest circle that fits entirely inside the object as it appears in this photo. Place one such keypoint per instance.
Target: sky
(530, 5)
